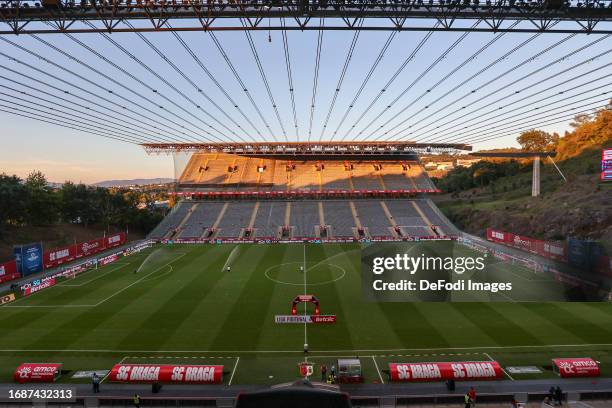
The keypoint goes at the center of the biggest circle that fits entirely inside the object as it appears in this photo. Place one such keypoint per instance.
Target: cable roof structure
(439, 72)
(391, 15)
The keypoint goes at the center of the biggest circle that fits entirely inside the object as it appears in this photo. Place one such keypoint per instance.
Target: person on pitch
(301, 268)
(228, 268)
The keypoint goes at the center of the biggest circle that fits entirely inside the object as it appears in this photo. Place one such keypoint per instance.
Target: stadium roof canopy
(315, 148)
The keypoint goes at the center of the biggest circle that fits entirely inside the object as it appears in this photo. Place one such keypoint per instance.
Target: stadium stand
(373, 217)
(236, 217)
(171, 221)
(408, 218)
(304, 218)
(202, 218)
(226, 172)
(270, 217)
(371, 196)
(339, 216)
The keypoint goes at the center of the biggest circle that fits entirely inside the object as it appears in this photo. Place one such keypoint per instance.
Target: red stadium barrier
(303, 193)
(58, 256)
(114, 240)
(576, 367)
(37, 372)
(8, 271)
(90, 247)
(177, 374)
(551, 250)
(458, 371)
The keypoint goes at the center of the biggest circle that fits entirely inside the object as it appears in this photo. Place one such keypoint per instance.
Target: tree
(537, 140)
(41, 204)
(13, 196)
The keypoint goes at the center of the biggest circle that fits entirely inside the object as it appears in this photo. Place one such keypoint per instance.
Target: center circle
(299, 280)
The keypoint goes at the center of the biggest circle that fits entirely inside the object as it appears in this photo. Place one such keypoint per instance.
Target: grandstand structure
(301, 191)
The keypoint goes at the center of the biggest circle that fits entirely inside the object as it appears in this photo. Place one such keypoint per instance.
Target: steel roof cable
(526, 97)
(264, 78)
(169, 85)
(413, 83)
(64, 91)
(195, 86)
(571, 112)
(541, 81)
(315, 81)
(494, 80)
(347, 61)
(562, 119)
(88, 117)
(289, 77)
(239, 80)
(126, 72)
(365, 81)
(215, 81)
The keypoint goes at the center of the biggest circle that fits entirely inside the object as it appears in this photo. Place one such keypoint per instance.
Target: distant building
(466, 162)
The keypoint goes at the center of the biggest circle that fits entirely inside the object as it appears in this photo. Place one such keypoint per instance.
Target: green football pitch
(179, 304)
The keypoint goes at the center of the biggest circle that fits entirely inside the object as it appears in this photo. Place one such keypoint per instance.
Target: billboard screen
(606, 164)
(29, 258)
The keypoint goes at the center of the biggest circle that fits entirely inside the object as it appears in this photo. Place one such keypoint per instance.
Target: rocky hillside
(580, 207)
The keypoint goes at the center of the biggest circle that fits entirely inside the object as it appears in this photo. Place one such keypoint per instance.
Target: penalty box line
(103, 300)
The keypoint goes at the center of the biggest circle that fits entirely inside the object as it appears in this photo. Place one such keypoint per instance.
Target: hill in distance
(132, 182)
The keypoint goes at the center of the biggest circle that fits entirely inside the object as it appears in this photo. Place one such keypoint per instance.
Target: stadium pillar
(535, 179)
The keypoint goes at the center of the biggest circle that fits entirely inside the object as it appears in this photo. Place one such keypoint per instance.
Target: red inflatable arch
(306, 298)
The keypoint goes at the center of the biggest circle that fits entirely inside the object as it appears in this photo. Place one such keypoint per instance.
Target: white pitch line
(102, 274)
(378, 370)
(103, 300)
(139, 280)
(234, 371)
(305, 305)
(505, 372)
(107, 374)
(294, 351)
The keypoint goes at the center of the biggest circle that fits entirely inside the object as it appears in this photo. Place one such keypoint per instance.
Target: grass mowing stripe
(571, 322)
(499, 327)
(250, 311)
(175, 301)
(82, 323)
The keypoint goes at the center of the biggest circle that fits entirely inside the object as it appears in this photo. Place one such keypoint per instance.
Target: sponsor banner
(7, 298)
(458, 371)
(8, 271)
(301, 319)
(551, 250)
(29, 258)
(37, 372)
(90, 247)
(115, 240)
(108, 259)
(523, 370)
(179, 374)
(89, 374)
(606, 164)
(59, 256)
(38, 285)
(576, 367)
